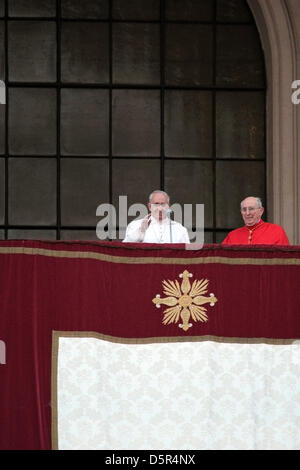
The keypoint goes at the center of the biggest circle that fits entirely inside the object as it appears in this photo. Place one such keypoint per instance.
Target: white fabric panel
(191, 395)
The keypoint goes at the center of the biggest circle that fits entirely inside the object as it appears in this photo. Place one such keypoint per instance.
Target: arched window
(120, 97)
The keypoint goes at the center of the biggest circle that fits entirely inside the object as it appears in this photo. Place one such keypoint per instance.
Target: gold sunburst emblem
(185, 301)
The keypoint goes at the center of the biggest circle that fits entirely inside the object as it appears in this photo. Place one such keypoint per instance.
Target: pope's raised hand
(145, 223)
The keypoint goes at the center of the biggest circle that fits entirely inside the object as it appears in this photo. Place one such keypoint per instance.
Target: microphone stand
(170, 224)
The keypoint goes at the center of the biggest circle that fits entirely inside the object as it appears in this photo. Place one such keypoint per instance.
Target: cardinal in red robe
(255, 230)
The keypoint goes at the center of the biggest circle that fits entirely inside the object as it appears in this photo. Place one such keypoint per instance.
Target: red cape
(263, 233)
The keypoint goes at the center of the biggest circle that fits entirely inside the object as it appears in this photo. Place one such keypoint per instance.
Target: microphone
(169, 211)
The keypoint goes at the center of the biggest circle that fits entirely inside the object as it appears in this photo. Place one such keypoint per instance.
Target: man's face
(158, 206)
(250, 211)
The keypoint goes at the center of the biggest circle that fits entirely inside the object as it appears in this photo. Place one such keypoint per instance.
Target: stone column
(278, 23)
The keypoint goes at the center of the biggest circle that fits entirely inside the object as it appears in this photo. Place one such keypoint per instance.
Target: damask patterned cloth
(201, 395)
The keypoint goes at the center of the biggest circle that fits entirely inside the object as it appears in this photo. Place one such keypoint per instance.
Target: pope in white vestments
(156, 227)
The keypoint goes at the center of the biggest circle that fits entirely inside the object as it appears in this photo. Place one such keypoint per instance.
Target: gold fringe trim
(173, 339)
(148, 260)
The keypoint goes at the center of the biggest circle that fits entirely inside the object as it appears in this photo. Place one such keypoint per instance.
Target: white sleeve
(185, 236)
(181, 233)
(133, 233)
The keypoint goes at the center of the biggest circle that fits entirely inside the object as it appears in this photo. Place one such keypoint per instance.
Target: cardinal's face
(250, 211)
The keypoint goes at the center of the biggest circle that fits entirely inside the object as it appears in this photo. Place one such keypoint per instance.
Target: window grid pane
(128, 96)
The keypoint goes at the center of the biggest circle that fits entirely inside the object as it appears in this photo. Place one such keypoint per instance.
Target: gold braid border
(149, 260)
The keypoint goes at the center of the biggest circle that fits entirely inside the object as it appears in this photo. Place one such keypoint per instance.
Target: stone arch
(276, 23)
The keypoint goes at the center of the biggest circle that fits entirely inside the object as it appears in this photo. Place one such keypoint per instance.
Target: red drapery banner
(128, 292)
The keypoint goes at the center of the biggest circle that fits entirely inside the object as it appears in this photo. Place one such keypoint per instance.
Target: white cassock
(157, 232)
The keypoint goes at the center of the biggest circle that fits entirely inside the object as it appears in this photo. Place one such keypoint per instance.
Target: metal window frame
(110, 86)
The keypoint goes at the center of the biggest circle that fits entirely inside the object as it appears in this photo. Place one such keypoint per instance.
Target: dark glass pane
(2, 119)
(2, 88)
(236, 181)
(136, 53)
(2, 235)
(189, 10)
(32, 51)
(85, 53)
(135, 179)
(2, 8)
(79, 235)
(87, 9)
(189, 55)
(2, 191)
(32, 121)
(220, 236)
(239, 57)
(136, 9)
(240, 125)
(233, 11)
(208, 237)
(136, 122)
(32, 8)
(84, 185)
(38, 234)
(2, 51)
(191, 182)
(188, 124)
(32, 191)
(84, 122)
